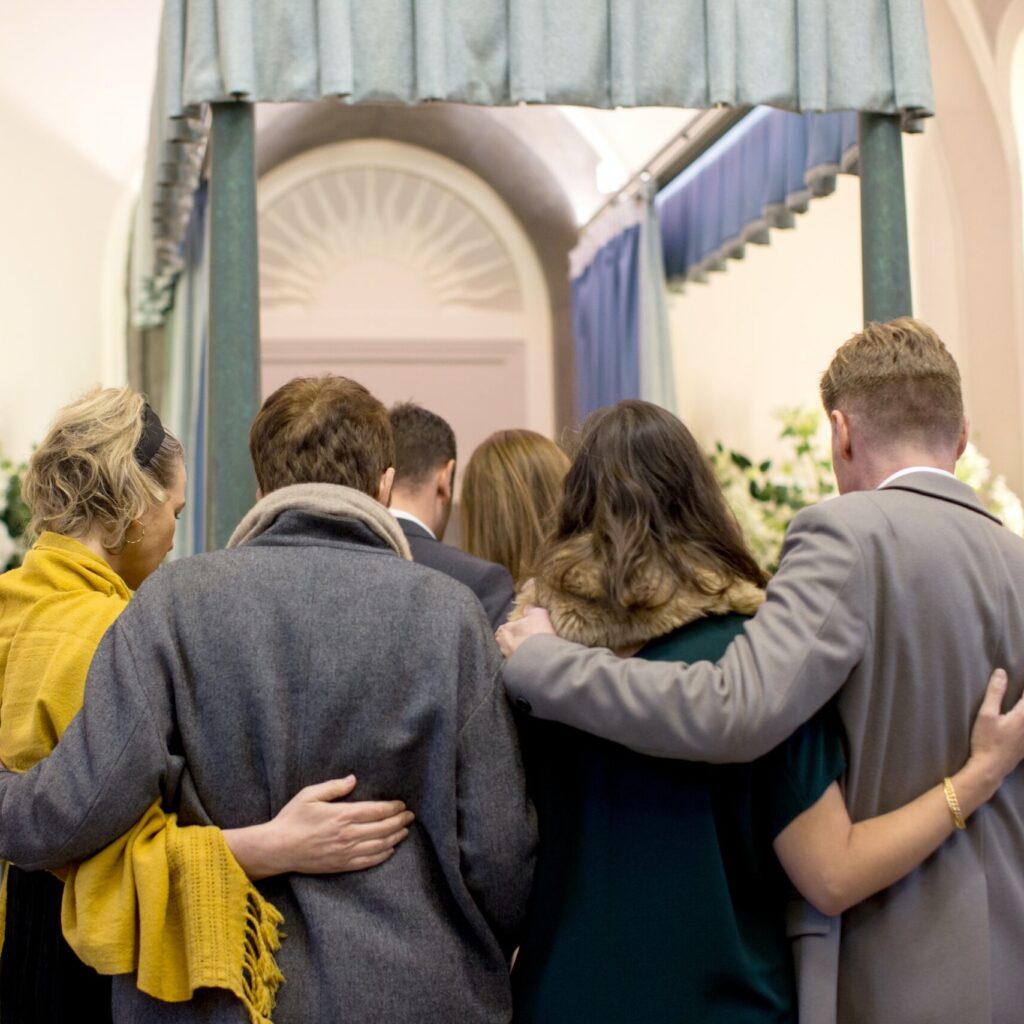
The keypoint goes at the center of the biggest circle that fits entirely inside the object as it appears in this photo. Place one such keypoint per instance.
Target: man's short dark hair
(321, 430)
(423, 442)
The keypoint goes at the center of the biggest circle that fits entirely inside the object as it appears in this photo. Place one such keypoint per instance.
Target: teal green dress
(657, 896)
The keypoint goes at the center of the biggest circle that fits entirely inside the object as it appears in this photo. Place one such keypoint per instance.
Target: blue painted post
(233, 359)
(885, 251)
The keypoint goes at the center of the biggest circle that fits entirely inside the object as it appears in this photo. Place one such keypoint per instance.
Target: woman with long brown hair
(512, 483)
(660, 887)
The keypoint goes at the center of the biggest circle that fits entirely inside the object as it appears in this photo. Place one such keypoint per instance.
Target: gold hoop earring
(125, 542)
(141, 536)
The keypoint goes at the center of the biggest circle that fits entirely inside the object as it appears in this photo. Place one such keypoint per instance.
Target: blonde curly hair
(84, 474)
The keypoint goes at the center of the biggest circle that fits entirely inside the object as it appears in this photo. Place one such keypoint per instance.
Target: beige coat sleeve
(792, 657)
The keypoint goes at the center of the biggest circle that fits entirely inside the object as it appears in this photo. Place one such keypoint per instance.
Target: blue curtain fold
(606, 324)
(187, 328)
(620, 318)
(756, 177)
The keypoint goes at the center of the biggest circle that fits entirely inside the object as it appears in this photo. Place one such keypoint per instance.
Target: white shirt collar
(409, 517)
(914, 469)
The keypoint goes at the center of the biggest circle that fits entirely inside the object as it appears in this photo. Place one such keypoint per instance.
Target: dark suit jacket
(491, 583)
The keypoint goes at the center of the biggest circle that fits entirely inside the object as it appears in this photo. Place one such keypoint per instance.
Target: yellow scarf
(168, 903)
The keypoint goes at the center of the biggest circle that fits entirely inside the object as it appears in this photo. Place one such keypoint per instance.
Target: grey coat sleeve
(106, 770)
(496, 823)
(792, 657)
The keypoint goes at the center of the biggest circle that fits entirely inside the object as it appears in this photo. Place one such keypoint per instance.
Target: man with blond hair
(896, 599)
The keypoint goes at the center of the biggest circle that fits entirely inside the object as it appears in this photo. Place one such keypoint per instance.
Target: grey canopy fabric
(794, 54)
(799, 54)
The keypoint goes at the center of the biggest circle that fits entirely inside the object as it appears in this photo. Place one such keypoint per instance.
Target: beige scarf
(322, 499)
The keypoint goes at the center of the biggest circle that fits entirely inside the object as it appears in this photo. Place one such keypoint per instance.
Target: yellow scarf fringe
(168, 903)
(173, 905)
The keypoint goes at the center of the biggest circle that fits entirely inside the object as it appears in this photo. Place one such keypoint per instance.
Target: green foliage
(766, 495)
(14, 515)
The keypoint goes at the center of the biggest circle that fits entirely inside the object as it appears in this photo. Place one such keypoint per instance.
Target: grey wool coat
(901, 600)
(236, 678)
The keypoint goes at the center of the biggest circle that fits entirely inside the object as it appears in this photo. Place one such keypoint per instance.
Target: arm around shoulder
(792, 657)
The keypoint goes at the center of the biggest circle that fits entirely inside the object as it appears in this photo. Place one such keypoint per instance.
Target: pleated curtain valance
(798, 54)
(793, 54)
(758, 176)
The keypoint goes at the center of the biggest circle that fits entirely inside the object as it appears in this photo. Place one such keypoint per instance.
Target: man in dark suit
(421, 501)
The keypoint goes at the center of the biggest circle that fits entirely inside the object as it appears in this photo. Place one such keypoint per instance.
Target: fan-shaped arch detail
(319, 236)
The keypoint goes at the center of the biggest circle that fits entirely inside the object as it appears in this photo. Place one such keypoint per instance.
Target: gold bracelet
(954, 804)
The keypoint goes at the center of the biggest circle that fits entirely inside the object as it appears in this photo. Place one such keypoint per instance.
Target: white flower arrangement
(765, 497)
(976, 471)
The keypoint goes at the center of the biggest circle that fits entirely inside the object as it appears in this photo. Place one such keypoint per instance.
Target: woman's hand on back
(315, 833)
(835, 862)
(997, 739)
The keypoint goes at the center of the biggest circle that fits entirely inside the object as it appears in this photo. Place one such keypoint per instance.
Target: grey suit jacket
(491, 583)
(904, 599)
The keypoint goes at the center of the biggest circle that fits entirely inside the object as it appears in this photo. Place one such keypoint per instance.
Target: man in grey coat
(314, 648)
(421, 501)
(896, 598)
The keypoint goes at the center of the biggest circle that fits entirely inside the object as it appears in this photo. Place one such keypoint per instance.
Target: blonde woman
(511, 486)
(105, 489)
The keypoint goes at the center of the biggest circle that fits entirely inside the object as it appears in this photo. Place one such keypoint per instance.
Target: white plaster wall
(75, 81)
(757, 338)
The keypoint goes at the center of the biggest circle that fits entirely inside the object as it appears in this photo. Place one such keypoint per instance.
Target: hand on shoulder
(533, 622)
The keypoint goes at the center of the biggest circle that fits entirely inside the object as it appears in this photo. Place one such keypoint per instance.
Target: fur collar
(581, 612)
(322, 499)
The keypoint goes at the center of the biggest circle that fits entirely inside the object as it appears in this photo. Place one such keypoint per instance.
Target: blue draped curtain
(605, 313)
(791, 54)
(756, 177)
(620, 321)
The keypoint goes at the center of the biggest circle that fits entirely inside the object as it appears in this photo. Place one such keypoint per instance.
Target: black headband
(153, 435)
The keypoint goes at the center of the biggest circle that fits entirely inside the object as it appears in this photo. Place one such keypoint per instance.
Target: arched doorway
(391, 264)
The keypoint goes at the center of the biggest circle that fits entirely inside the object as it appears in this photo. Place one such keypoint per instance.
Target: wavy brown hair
(512, 484)
(642, 502)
